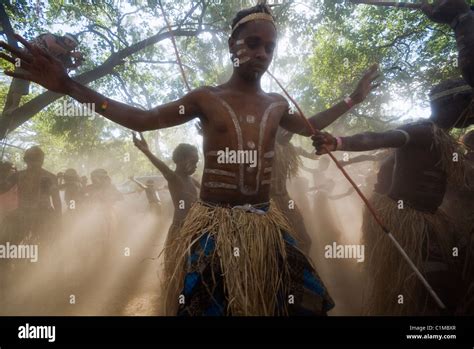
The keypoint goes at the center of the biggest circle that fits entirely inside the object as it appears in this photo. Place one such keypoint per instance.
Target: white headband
(72, 38)
(254, 17)
(463, 88)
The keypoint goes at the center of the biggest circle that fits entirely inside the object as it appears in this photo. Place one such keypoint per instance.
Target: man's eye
(253, 44)
(270, 48)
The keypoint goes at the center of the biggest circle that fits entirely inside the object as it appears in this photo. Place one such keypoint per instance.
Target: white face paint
(241, 53)
(244, 59)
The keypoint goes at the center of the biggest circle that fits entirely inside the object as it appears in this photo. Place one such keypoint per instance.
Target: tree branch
(397, 38)
(7, 27)
(28, 110)
(91, 30)
(125, 91)
(151, 61)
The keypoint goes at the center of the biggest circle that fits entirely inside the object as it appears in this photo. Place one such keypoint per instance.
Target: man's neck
(238, 83)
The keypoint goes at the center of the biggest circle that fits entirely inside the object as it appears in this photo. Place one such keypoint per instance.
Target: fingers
(7, 58)
(374, 86)
(374, 67)
(12, 60)
(323, 142)
(15, 52)
(374, 76)
(24, 76)
(372, 71)
(24, 42)
(34, 49)
(319, 141)
(322, 150)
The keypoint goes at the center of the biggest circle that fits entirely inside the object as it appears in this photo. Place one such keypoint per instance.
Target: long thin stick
(173, 40)
(369, 206)
(388, 4)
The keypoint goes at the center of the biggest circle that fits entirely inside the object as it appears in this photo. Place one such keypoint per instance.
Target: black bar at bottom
(401, 332)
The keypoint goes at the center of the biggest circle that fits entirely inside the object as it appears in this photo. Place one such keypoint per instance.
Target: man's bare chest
(247, 120)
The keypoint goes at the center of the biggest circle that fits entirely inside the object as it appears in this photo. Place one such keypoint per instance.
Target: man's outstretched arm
(48, 71)
(361, 142)
(141, 144)
(294, 123)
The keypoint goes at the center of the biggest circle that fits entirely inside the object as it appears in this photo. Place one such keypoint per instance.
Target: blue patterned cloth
(204, 286)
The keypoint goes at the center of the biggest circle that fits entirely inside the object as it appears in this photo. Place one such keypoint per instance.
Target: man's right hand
(40, 66)
(140, 143)
(324, 142)
(444, 11)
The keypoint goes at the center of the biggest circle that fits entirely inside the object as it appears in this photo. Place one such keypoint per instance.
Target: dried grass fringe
(252, 281)
(448, 146)
(389, 274)
(286, 162)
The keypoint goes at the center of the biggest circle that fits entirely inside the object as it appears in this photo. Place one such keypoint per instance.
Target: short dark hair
(260, 8)
(183, 150)
(33, 153)
(99, 172)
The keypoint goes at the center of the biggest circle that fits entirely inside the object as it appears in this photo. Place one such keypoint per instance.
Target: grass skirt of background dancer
(425, 237)
(286, 166)
(296, 220)
(235, 262)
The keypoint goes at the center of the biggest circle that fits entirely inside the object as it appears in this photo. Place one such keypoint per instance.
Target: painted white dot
(250, 119)
(251, 145)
